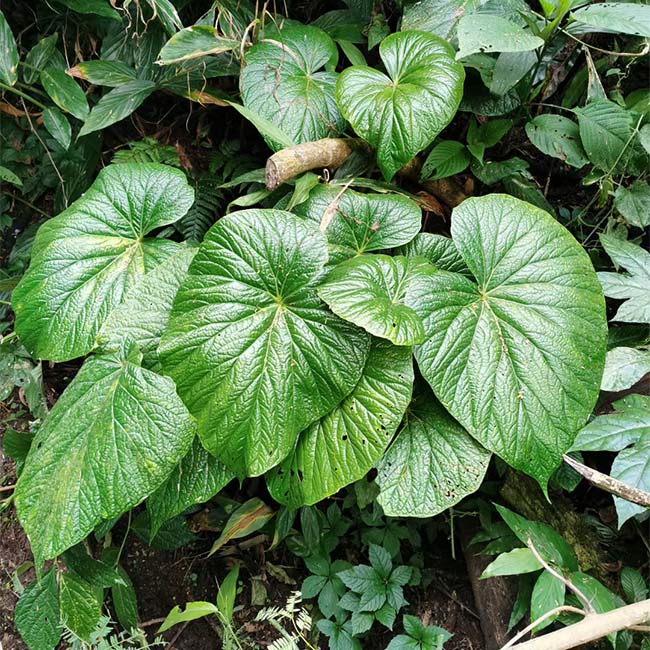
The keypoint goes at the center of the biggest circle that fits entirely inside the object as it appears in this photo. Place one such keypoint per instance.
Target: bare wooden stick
(590, 628)
(541, 619)
(609, 484)
(288, 163)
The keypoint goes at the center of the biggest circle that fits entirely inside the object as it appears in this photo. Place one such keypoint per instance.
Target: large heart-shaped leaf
(355, 223)
(374, 292)
(256, 355)
(283, 82)
(432, 464)
(144, 314)
(516, 356)
(346, 443)
(114, 436)
(197, 478)
(401, 112)
(85, 260)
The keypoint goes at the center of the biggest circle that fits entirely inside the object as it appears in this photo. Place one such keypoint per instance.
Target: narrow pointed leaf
(432, 464)
(256, 355)
(347, 442)
(57, 126)
(104, 73)
(113, 438)
(195, 42)
(8, 53)
(516, 356)
(65, 92)
(86, 259)
(401, 112)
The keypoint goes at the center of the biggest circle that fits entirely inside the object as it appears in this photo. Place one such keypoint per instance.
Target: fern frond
(304, 621)
(271, 614)
(293, 601)
(285, 644)
(207, 203)
(146, 151)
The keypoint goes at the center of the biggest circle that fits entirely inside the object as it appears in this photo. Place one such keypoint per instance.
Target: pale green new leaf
(634, 203)
(283, 82)
(37, 615)
(432, 464)
(255, 354)
(191, 611)
(8, 53)
(634, 286)
(85, 260)
(612, 17)
(355, 223)
(144, 314)
(512, 563)
(515, 356)
(374, 292)
(624, 367)
(80, 609)
(347, 442)
(447, 158)
(65, 92)
(196, 479)
(559, 137)
(401, 112)
(615, 431)
(632, 467)
(57, 126)
(487, 33)
(195, 42)
(113, 437)
(117, 104)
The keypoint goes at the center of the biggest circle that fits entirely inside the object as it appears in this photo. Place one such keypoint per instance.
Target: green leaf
(8, 53)
(347, 442)
(353, 54)
(380, 560)
(634, 203)
(39, 57)
(632, 287)
(255, 354)
(227, 594)
(167, 15)
(551, 546)
(104, 73)
(117, 104)
(143, 315)
(57, 126)
(509, 69)
(125, 601)
(7, 176)
(447, 158)
(196, 479)
(512, 563)
(632, 466)
(401, 112)
(64, 92)
(85, 260)
(485, 33)
(248, 518)
(483, 136)
(37, 614)
(559, 137)
(266, 127)
(432, 464)
(622, 17)
(355, 223)
(283, 82)
(607, 132)
(192, 611)
(80, 609)
(93, 7)
(548, 593)
(633, 585)
(113, 438)
(195, 42)
(95, 572)
(624, 367)
(492, 353)
(615, 431)
(439, 250)
(374, 292)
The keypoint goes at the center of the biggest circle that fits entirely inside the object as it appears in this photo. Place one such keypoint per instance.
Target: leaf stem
(20, 93)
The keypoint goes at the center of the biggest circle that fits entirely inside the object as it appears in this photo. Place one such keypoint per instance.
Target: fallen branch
(288, 163)
(590, 628)
(609, 484)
